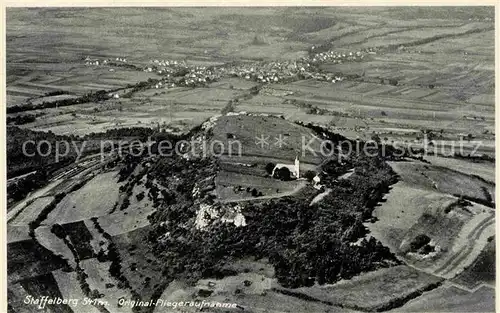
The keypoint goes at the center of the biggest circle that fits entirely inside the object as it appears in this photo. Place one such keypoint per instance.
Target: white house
(293, 168)
(316, 181)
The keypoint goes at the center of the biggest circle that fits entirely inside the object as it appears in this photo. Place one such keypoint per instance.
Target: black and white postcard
(250, 159)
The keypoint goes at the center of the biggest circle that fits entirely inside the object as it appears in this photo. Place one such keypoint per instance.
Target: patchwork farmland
(291, 219)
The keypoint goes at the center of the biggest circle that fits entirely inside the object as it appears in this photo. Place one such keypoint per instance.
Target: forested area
(41, 155)
(322, 243)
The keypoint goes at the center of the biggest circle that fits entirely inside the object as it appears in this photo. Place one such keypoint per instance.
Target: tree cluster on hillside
(283, 173)
(44, 166)
(322, 243)
(21, 119)
(312, 109)
(97, 96)
(125, 65)
(54, 93)
(18, 190)
(44, 213)
(19, 163)
(141, 133)
(229, 107)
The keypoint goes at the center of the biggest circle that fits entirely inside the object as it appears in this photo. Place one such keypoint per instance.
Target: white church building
(293, 168)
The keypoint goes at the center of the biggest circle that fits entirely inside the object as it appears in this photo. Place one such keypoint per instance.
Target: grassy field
(95, 198)
(121, 222)
(16, 294)
(469, 243)
(28, 258)
(482, 270)
(374, 291)
(442, 179)
(70, 288)
(270, 301)
(30, 212)
(243, 159)
(45, 285)
(452, 299)
(423, 203)
(55, 244)
(460, 233)
(384, 107)
(99, 277)
(248, 129)
(227, 181)
(403, 207)
(17, 233)
(485, 170)
(143, 273)
(73, 77)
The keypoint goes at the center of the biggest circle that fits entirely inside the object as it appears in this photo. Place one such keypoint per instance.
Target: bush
(140, 196)
(95, 294)
(283, 173)
(427, 249)
(270, 168)
(255, 193)
(58, 230)
(125, 204)
(309, 175)
(419, 242)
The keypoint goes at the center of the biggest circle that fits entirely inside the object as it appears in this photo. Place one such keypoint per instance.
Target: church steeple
(297, 166)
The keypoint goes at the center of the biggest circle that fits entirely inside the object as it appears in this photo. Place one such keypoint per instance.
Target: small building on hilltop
(293, 168)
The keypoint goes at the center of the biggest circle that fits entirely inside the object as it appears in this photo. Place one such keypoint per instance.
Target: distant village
(177, 73)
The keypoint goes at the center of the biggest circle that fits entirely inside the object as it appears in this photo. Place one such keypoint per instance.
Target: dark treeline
(18, 190)
(54, 93)
(125, 65)
(486, 202)
(19, 163)
(97, 96)
(21, 119)
(140, 86)
(141, 133)
(33, 225)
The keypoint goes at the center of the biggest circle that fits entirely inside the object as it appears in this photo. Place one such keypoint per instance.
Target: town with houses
(261, 72)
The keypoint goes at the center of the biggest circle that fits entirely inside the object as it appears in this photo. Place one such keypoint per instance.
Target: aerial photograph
(250, 159)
